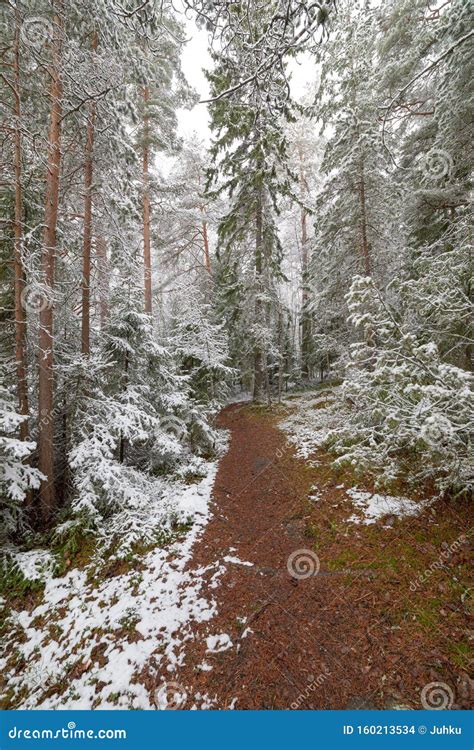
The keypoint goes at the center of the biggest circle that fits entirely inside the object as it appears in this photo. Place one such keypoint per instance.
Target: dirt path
(294, 654)
(352, 636)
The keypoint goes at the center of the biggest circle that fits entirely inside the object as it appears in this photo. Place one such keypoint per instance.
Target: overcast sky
(195, 57)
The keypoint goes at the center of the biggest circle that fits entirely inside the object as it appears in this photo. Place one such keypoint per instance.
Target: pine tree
(250, 148)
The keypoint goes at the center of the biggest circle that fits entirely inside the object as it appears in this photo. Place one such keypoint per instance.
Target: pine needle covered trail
(310, 610)
(289, 589)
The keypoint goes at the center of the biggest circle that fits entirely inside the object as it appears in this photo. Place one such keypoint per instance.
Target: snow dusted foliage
(200, 346)
(410, 413)
(16, 475)
(137, 421)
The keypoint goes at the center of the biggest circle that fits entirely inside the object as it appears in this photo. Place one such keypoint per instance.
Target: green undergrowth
(77, 548)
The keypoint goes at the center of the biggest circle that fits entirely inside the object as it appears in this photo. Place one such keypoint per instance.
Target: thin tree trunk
(146, 204)
(259, 365)
(101, 250)
(363, 216)
(205, 238)
(87, 241)
(20, 312)
(207, 259)
(305, 320)
(123, 442)
(46, 371)
(281, 363)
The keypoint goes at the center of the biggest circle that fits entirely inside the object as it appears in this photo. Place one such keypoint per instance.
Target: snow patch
(311, 419)
(237, 561)
(217, 643)
(377, 506)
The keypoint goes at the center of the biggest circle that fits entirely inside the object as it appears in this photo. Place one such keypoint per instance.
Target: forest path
(358, 626)
(290, 637)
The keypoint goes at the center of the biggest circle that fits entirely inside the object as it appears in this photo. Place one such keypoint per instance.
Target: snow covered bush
(16, 475)
(136, 424)
(410, 413)
(200, 345)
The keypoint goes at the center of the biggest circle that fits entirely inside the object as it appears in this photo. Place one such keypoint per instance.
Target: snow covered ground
(310, 419)
(372, 507)
(312, 416)
(89, 640)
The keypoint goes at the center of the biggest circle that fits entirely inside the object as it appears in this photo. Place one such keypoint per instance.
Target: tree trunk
(146, 204)
(259, 363)
(20, 312)
(363, 222)
(87, 241)
(207, 259)
(305, 320)
(123, 442)
(46, 372)
(103, 269)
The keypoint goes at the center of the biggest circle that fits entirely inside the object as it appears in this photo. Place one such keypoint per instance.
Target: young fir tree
(250, 154)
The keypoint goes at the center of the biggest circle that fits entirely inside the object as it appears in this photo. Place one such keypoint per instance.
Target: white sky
(195, 57)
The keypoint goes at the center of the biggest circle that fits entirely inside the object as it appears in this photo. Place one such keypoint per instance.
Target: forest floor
(354, 635)
(294, 594)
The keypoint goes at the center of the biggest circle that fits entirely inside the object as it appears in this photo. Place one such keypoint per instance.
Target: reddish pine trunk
(20, 313)
(46, 372)
(87, 241)
(205, 238)
(146, 205)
